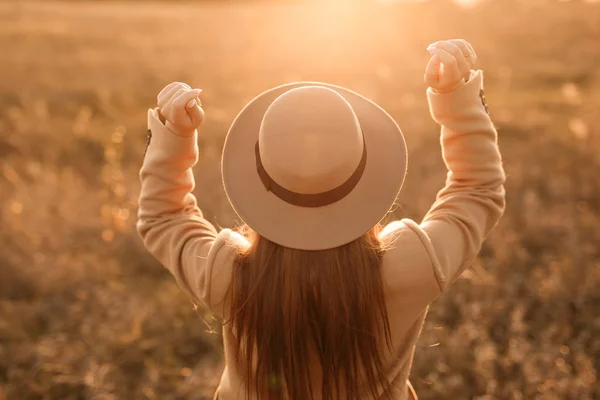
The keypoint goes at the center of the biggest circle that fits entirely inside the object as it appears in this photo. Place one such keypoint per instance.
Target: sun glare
(462, 3)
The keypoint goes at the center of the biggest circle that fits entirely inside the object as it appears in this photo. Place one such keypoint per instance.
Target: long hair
(295, 310)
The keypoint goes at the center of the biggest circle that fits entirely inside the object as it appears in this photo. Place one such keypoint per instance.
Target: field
(86, 313)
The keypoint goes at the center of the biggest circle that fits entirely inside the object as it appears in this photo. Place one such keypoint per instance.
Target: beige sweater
(425, 260)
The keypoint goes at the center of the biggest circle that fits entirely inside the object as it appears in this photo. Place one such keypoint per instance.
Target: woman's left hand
(180, 106)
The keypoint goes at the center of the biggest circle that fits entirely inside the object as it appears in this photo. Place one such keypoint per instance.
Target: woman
(318, 299)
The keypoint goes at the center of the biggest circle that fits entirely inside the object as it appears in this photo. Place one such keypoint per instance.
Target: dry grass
(85, 313)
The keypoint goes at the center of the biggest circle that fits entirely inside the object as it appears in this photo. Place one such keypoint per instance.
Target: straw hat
(313, 166)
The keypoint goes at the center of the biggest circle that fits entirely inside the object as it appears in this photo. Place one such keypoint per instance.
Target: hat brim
(314, 228)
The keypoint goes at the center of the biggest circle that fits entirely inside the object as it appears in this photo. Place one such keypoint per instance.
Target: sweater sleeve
(170, 223)
(473, 198)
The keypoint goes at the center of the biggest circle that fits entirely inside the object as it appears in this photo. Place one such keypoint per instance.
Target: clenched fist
(450, 64)
(180, 106)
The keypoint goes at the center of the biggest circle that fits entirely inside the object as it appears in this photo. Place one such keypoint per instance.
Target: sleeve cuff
(161, 137)
(460, 102)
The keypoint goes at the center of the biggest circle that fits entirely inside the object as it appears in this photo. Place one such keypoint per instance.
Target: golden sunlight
(87, 312)
(462, 3)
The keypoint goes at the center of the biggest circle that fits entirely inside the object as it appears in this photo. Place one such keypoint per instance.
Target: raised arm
(473, 199)
(170, 223)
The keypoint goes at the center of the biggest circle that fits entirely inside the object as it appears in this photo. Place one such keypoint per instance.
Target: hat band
(311, 199)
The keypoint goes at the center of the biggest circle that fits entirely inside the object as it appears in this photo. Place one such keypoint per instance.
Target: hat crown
(310, 140)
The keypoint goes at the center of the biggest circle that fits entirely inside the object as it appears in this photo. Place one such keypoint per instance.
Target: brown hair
(294, 309)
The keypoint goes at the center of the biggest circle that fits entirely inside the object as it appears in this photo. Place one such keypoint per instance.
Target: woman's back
(318, 319)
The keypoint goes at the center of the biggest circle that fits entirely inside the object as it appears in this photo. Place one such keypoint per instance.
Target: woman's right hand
(450, 64)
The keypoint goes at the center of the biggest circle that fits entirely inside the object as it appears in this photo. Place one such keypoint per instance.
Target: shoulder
(407, 233)
(220, 260)
(409, 261)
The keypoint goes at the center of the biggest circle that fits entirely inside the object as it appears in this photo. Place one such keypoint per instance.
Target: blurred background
(86, 313)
